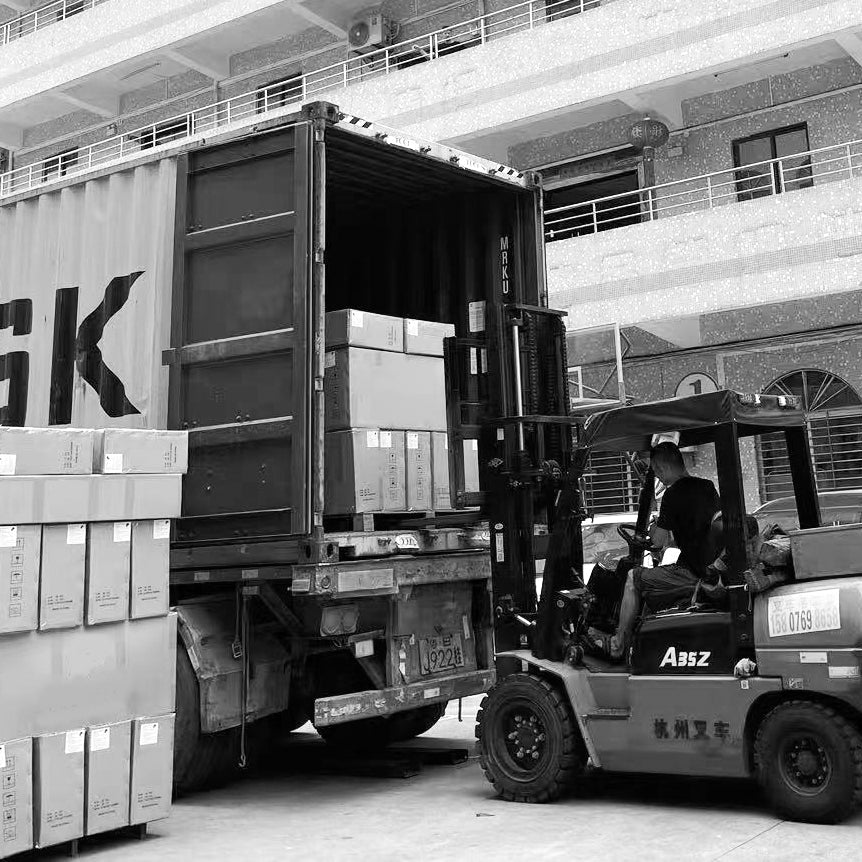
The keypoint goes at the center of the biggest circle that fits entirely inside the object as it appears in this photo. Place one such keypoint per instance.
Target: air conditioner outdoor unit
(368, 32)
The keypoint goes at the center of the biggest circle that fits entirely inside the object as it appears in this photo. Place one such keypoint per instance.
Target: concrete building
(737, 263)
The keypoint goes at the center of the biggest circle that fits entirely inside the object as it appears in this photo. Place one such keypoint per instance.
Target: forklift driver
(686, 514)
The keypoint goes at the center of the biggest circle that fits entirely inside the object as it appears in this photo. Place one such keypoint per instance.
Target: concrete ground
(449, 812)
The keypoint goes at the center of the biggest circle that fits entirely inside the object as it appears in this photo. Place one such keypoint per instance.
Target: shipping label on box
(109, 551)
(16, 797)
(426, 337)
(440, 467)
(352, 475)
(393, 474)
(420, 486)
(132, 450)
(107, 777)
(61, 584)
(58, 810)
(46, 451)
(152, 768)
(150, 568)
(20, 554)
(349, 327)
(376, 389)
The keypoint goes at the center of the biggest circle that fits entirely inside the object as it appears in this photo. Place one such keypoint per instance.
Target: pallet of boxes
(386, 445)
(87, 642)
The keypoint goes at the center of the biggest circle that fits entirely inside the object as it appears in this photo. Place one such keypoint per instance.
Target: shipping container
(186, 288)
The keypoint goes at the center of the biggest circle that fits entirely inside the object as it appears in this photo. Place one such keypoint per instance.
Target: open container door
(240, 336)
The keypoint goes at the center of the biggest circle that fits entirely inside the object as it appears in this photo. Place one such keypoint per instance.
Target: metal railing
(734, 185)
(43, 16)
(285, 96)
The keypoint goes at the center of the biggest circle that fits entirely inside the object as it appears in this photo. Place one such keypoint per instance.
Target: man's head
(667, 463)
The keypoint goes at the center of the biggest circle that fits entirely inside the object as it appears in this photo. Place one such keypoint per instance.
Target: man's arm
(661, 537)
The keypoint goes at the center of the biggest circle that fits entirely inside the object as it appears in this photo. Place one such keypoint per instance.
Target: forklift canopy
(697, 419)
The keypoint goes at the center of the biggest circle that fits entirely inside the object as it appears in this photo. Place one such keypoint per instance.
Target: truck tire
(530, 748)
(202, 761)
(808, 760)
(371, 733)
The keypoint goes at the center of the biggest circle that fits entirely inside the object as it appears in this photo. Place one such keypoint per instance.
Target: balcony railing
(285, 97)
(43, 16)
(735, 185)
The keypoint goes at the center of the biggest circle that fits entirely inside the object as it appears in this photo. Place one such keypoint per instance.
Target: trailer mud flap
(367, 704)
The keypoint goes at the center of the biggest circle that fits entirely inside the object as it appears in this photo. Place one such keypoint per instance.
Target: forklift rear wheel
(370, 733)
(808, 759)
(530, 747)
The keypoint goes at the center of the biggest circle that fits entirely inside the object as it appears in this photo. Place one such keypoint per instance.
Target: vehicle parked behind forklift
(761, 679)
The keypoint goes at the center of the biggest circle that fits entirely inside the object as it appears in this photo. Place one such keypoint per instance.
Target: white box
(107, 777)
(46, 451)
(16, 797)
(152, 768)
(133, 450)
(20, 553)
(61, 583)
(58, 787)
(425, 337)
(109, 554)
(151, 552)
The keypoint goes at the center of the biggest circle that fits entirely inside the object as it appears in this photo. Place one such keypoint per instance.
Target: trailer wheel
(202, 761)
(371, 733)
(530, 747)
(808, 760)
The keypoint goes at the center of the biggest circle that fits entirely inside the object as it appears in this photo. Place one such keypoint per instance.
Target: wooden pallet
(373, 522)
(73, 848)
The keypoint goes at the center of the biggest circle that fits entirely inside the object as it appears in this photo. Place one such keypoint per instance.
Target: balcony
(42, 17)
(766, 232)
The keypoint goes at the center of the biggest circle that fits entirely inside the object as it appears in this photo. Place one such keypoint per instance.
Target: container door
(240, 323)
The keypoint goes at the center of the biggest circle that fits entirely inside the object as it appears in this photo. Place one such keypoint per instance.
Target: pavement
(281, 812)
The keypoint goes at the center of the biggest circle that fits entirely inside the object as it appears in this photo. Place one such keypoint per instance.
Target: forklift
(765, 686)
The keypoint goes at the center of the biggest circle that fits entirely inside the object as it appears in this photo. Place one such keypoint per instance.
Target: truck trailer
(185, 286)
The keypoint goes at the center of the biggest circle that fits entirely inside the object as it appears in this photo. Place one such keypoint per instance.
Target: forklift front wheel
(530, 747)
(809, 762)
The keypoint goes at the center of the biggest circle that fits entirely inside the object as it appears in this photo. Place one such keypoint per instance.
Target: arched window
(834, 411)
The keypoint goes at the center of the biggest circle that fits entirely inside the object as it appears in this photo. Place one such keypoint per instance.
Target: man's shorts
(663, 587)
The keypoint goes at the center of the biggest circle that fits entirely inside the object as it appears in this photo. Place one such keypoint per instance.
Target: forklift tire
(530, 747)
(375, 733)
(202, 761)
(808, 760)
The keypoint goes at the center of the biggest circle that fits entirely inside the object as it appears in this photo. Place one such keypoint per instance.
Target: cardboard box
(420, 484)
(73, 499)
(87, 675)
(151, 553)
(152, 768)
(58, 787)
(20, 552)
(376, 389)
(425, 337)
(46, 451)
(107, 776)
(352, 328)
(16, 797)
(61, 582)
(134, 450)
(471, 465)
(353, 470)
(440, 469)
(109, 557)
(393, 472)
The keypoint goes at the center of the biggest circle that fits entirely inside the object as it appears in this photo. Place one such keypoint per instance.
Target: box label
(413, 327)
(8, 537)
(2, 756)
(100, 739)
(75, 741)
(412, 440)
(122, 531)
(372, 439)
(162, 529)
(385, 439)
(149, 733)
(76, 534)
(357, 318)
(7, 464)
(113, 462)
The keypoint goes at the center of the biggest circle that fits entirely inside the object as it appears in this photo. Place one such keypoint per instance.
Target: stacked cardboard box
(386, 441)
(87, 642)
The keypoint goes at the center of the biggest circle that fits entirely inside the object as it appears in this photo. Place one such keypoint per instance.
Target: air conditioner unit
(369, 32)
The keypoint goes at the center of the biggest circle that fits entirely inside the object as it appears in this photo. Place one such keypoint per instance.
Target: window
(59, 165)
(834, 433)
(164, 133)
(754, 179)
(279, 93)
(570, 211)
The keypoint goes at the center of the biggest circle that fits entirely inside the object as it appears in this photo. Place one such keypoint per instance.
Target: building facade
(734, 259)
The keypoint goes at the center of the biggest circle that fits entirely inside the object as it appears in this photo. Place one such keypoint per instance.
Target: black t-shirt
(686, 510)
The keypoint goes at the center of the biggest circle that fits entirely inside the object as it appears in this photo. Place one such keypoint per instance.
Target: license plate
(801, 613)
(440, 653)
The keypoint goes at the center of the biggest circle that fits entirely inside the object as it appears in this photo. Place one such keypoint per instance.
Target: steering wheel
(633, 540)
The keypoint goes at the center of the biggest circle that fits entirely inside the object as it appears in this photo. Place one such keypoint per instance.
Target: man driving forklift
(685, 517)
